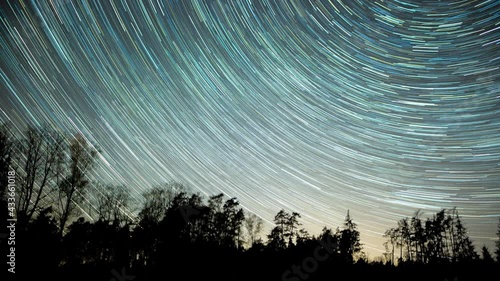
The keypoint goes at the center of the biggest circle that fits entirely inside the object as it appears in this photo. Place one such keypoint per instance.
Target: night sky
(380, 107)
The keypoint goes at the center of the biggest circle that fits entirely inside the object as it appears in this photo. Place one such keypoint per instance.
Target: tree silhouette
(215, 218)
(486, 255)
(39, 245)
(40, 167)
(405, 237)
(349, 243)
(158, 199)
(233, 221)
(197, 237)
(292, 227)
(463, 246)
(443, 238)
(418, 237)
(302, 236)
(435, 228)
(253, 226)
(161, 220)
(283, 234)
(112, 203)
(327, 234)
(77, 242)
(73, 186)
(391, 235)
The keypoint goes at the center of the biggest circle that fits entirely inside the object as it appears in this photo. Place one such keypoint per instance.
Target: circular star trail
(380, 107)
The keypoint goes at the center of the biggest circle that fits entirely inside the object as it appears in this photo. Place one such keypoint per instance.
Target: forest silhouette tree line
(71, 228)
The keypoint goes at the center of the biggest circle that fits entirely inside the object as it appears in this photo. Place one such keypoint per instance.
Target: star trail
(380, 107)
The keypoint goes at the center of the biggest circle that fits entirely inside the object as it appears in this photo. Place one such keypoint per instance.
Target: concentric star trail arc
(379, 107)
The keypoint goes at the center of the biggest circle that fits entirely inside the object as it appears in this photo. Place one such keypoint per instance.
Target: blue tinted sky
(380, 107)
